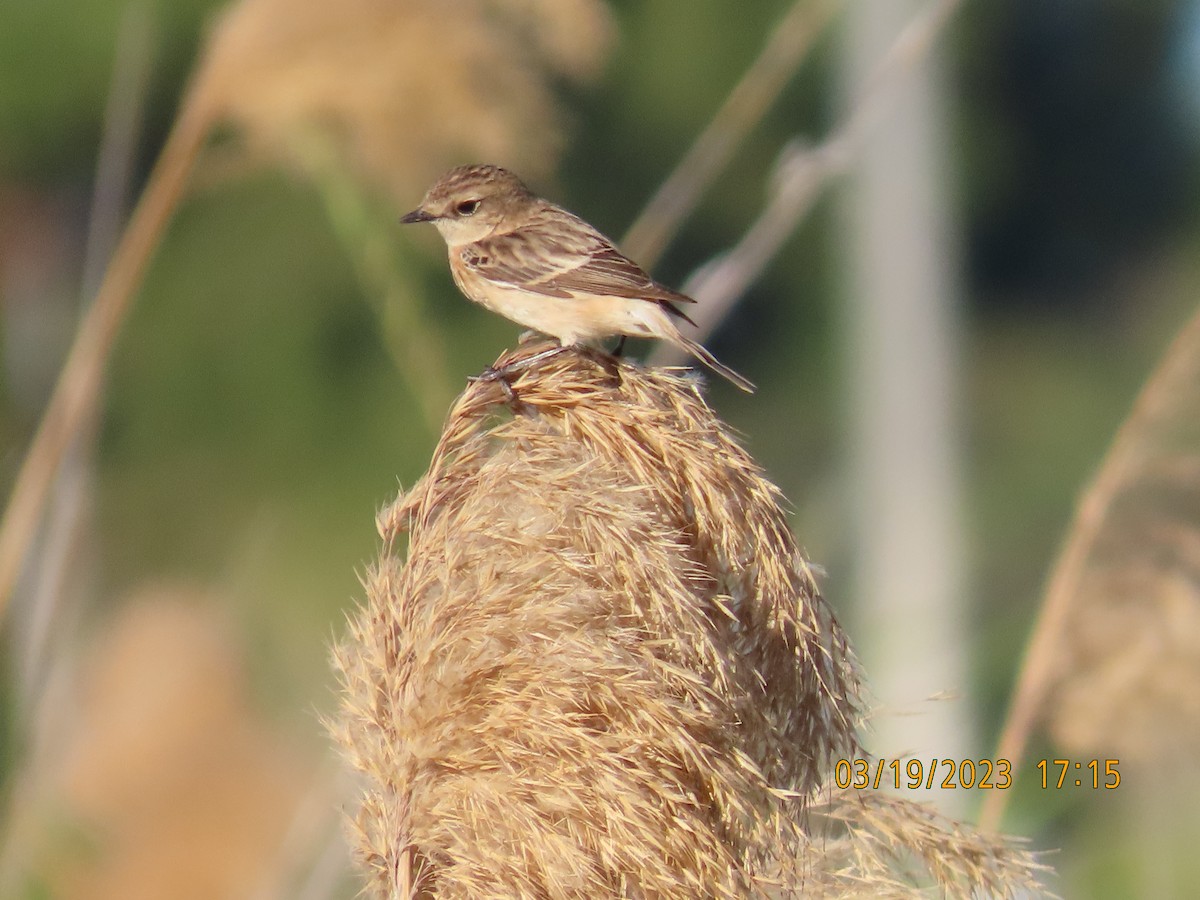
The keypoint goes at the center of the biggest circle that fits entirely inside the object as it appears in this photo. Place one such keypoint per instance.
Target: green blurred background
(255, 417)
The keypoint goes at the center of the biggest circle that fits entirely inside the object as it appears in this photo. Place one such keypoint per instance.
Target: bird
(536, 264)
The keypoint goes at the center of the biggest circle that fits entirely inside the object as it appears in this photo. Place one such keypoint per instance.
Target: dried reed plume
(604, 669)
(884, 846)
(402, 86)
(1129, 676)
(1114, 660)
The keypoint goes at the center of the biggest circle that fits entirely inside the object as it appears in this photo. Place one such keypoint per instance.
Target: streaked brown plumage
(547, 269)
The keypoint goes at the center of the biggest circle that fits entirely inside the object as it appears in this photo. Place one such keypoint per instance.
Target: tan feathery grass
(884, 846)
(605, 669)
(403, 86)
(603, 655)
(1114, 659)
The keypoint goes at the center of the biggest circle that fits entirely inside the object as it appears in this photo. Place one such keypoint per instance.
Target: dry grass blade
(77, 391)
(118, 145)
(1120, 618)
(800, 175)
(604, 668)
(745, 106)
(50, 570)
(414, 342)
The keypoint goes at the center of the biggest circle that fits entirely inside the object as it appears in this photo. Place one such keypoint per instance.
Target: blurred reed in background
(402, 86)
(1113, 665)
(155, 774)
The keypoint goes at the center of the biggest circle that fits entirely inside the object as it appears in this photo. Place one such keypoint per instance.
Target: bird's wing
(560, 255)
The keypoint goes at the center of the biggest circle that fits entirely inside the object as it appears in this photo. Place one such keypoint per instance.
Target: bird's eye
(467, 207)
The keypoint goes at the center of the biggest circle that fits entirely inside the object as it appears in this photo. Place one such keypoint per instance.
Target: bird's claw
(492, 374)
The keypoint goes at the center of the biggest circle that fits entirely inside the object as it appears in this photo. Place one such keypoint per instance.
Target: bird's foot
(609, 361)
(503, 374)
(528, 362)
(499, 376)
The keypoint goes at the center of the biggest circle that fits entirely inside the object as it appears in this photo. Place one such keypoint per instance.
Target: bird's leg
(609, 362)
(503, 373)
(618, 350)
(520, 365)
(491, 374)
(510, 396)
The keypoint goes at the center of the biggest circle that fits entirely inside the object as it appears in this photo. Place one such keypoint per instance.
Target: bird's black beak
(417, 215)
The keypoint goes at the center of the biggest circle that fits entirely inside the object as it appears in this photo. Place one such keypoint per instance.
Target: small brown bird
(549, 270)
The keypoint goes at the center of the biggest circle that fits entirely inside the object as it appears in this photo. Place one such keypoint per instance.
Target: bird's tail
(701, 353)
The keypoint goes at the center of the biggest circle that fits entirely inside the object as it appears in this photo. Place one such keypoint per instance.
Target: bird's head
(470, 203)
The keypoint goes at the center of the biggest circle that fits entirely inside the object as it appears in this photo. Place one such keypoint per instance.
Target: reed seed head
(604, 668)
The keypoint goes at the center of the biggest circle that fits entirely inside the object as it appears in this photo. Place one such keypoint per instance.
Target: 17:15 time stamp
(983, 774)
(1060, 773)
